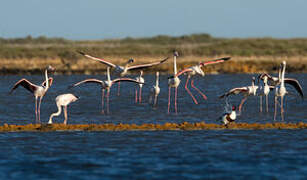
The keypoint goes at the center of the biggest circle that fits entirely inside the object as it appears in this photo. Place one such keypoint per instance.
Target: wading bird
(266, 90)
(229, 117)
(280, 89)
(123, 70)
(154, 91)
(105, 85)
(38, 91)
(141, 81)
(196, 70)
(173, 82)
(245, 91)
(63, 100)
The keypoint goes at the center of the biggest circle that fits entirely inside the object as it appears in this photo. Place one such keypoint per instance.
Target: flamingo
(275, 81)
(229, 117)
(63, 100)
(105, 85)
(154, 91)
(246, 91)
(196, 70)
(280, 89)
(123, 70)
(173, 82)
(266, 90)
(141, 81)
(38, 91)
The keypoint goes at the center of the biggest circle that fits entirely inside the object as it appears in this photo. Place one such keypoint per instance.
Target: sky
(101, 19)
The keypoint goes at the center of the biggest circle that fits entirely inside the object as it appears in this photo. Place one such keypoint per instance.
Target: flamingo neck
(108, 75)
(157, 80)
(283, 75)
(47, 80)
(55, 114)
(175, 66)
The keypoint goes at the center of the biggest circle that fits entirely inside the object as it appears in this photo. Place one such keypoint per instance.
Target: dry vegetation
(30, 55)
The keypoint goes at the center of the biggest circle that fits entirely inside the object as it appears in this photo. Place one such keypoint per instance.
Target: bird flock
(269, 83)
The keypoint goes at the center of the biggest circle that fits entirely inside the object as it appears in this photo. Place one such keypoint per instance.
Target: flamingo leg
(65, 114)
(267, 103)
(118, 88)
(275, 108)
(241, 104)
(187, 89)
(282, 108)
(169, 99)
(176, 100)
(260, 103)
(39, 109)
(108, 99)
(36, 110)
(155, 101)
(202, 94)
(136, 95)
(102, 102)
(140, 95)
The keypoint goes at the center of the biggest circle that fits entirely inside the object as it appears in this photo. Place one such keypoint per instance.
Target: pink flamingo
(196, 70)
(173, 82)
(105, 85)
(141, 81)
(38, 91)
(63, 100)
(123, 70)
(245, 91)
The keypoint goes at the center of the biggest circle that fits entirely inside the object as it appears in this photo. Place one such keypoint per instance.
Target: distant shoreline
(238, 64)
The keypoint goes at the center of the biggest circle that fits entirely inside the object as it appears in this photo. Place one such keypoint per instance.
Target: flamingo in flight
(63, 100)
(123, 70)
(105, 85)
(173, 82)
(141, 81)
(155, 91)
(280, 89)
(38, 91)
(245, 91)
(196, 70)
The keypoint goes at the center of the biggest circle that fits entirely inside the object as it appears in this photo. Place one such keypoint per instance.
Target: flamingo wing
(181, 72)
(142, 66)
(296, 85)
(215, 61)
(127, 80)
(26, 84)
(98, 59)
(235, 91)
(50, 82)
(96, 81)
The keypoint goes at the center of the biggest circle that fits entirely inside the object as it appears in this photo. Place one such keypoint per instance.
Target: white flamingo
(245, 91)
(155, 91)
(196, 70)
(173, 82)
(266, 90)
(123, 70)
(63, 100)
(105, 85)
(141, 81)
(38, 91)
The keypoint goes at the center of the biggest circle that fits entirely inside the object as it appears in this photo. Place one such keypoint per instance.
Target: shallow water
(150, 154)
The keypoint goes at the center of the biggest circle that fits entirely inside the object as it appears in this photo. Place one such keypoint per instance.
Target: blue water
(227, 154)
